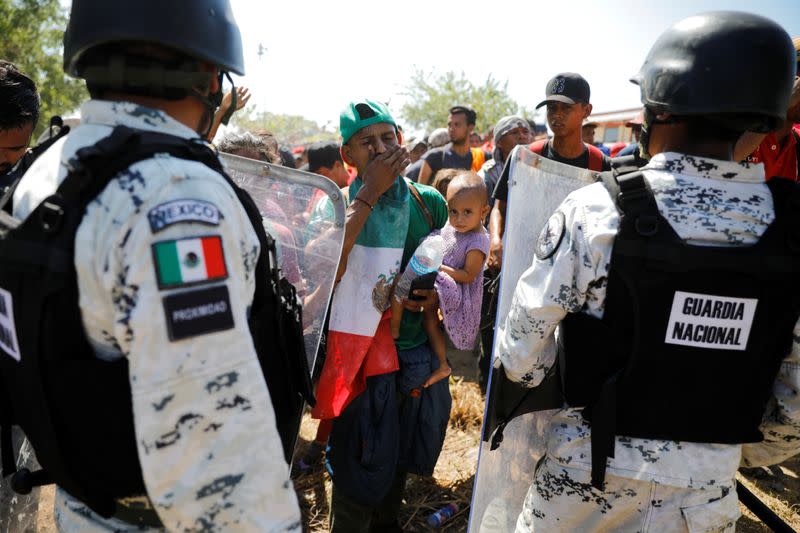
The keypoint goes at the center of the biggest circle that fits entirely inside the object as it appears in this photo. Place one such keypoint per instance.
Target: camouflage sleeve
(781, 425)
(208, 445)
(563, 271)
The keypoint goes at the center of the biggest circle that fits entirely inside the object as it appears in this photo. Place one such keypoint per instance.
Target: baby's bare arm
(473, 266)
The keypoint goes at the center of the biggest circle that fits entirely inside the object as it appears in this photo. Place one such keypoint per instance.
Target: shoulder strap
(635, 197)
(418, 197)
(93, 166)
(797, 150)
(538, 146)
(632, 195)
(595, 158)
(610, 177)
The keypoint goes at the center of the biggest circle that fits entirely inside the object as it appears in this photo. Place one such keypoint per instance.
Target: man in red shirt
(777, 150)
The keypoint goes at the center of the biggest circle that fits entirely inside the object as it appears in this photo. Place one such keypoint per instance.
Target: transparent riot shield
(20, 513)
(309, 238)
(536, 187)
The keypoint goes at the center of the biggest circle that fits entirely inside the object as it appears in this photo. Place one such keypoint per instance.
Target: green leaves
(429, 97)
(32, 33)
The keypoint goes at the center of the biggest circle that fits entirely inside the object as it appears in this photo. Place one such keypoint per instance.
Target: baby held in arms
(459, 281)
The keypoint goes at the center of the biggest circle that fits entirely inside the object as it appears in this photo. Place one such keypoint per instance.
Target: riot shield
(536, 187)
(309, 240)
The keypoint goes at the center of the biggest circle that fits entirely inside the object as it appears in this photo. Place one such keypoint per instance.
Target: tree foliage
(288, 129)
(32, 33)
(429, 97)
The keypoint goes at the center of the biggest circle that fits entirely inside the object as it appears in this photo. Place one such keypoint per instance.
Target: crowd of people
(135, 233)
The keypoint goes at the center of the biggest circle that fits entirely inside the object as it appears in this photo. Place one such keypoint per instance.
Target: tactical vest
(75, 408)
(692, 337)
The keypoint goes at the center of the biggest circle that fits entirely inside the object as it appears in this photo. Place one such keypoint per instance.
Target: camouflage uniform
(652, 485)
(209, 449)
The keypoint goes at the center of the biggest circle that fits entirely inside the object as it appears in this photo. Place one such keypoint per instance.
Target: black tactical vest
(692, 337)
(75, 408)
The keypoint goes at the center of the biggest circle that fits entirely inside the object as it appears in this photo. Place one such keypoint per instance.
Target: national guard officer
(172, 404)
(673, 292)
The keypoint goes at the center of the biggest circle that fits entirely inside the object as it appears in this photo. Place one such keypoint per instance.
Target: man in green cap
(368, 376)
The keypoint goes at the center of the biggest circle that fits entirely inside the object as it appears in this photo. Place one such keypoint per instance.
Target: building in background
(611, 125)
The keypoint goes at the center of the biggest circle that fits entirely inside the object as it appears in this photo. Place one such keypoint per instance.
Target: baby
(466, 245)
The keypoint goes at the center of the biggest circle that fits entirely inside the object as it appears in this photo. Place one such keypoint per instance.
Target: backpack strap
(418, 197)
(595, 158)
(537, 147)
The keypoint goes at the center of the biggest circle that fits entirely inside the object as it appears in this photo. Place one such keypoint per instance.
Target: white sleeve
(545, 293)
(208, 445)
(781, 424)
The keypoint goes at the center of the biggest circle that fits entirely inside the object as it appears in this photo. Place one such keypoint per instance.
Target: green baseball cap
(360, 114)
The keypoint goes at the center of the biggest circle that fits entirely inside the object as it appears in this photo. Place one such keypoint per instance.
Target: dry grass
(468, 403)
(778, 487)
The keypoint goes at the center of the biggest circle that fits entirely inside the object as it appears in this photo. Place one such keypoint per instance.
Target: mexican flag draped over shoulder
(359, 339)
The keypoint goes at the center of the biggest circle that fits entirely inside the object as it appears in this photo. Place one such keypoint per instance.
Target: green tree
(32, 33)
(429, 97)
(288, 129)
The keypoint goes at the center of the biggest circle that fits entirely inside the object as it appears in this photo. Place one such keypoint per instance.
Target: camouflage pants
(72, 516)
(563, 499)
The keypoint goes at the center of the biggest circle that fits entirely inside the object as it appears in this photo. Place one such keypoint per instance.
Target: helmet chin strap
(212, 102)
(644, 139)
(649, 120)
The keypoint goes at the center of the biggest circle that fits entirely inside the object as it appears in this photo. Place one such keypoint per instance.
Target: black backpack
(75, 408)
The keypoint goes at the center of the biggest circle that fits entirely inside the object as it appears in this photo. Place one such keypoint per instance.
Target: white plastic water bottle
(427, 258)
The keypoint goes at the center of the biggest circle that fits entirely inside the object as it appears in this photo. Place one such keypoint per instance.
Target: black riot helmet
(110, 45)
(735, 68)
(203, 29)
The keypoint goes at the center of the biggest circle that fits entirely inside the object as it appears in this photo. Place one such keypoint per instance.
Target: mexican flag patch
(189, 261)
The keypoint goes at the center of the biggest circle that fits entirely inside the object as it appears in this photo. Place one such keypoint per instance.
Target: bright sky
(321, 54)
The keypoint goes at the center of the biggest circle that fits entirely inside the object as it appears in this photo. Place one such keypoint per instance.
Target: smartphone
(426, 281)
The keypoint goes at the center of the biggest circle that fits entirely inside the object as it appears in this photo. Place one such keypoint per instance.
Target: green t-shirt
(412, 333)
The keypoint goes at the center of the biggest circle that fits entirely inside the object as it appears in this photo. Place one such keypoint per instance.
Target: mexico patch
(550, 237)
(169, 213)
(708, 321)
(198, 312)
(189, 261)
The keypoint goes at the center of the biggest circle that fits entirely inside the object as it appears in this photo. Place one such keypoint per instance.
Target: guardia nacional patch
(551, 235)
(189, 261)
